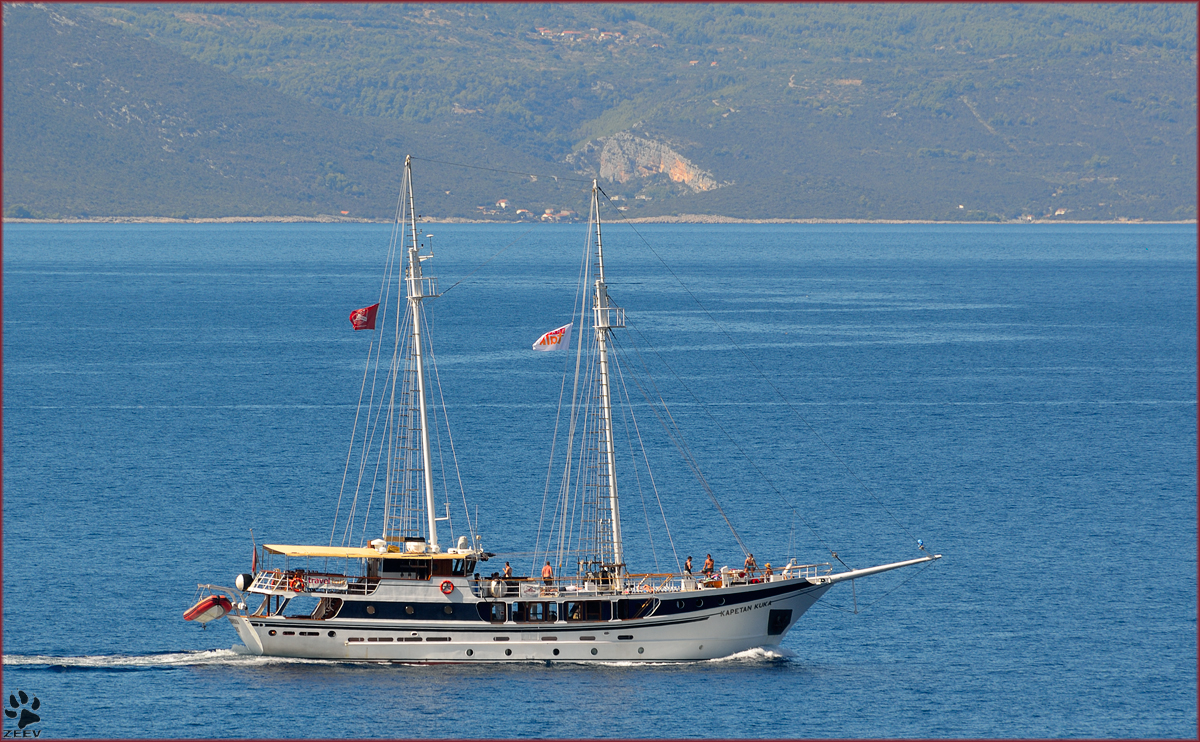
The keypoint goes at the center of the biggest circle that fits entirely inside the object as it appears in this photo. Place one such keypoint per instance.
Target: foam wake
(758, 654)
(214, 657)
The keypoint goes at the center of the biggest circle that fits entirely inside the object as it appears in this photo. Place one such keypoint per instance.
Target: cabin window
(582, 610)
(458, 567)
(534, 612)
(494, 612)
(443, 567)
(635, 608)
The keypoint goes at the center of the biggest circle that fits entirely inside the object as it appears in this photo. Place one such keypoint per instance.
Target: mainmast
(604, 322)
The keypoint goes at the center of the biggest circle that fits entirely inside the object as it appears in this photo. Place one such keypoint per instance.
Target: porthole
(507, 652)
(408, 609)
(332, 634)
(448, 609)
(679, 604)
(641, 650)
(555, 652)
(371, 609)
(720, 601)
(699, 602)
(271, 632)
(470, 652)
(594, 650)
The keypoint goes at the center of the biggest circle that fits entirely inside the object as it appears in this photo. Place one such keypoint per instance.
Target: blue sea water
(1022, 398)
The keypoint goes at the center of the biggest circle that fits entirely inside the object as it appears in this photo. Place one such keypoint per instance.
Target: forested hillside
(883, 111)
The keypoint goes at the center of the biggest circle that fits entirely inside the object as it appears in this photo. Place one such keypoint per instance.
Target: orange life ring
(447, 587)
(296, 585)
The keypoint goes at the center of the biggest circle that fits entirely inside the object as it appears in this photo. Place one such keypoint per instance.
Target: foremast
(398, 507)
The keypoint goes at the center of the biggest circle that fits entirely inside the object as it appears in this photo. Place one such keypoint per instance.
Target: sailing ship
(407, 597)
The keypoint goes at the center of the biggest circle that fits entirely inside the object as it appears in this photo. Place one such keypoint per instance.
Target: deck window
(582, 610)
(534, 612)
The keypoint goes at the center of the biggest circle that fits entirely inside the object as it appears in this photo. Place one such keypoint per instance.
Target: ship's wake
(758, 654)
(164, 660)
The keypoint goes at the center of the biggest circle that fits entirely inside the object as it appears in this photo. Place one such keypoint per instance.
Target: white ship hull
(685, 626)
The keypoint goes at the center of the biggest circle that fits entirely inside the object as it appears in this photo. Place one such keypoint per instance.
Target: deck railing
(531, 588)
(279, 582)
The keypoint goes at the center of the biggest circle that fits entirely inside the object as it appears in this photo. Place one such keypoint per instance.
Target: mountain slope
(97, 122)
(885, 111)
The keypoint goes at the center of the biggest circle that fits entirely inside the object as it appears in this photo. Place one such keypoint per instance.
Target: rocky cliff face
(623, 157)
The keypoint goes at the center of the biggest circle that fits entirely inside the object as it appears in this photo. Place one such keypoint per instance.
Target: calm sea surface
(1023, 398)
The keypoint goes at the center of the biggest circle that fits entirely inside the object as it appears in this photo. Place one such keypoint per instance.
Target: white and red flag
(554, 339)
(364, 319)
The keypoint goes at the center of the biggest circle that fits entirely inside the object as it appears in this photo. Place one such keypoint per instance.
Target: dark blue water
(1023, 398)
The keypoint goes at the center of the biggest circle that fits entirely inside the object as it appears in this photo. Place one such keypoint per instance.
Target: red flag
(364, 319)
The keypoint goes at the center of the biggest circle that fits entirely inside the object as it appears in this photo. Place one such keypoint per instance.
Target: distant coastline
(675, 219)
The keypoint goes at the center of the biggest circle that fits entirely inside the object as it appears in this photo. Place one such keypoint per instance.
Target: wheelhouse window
(534, 612)
(407, 569)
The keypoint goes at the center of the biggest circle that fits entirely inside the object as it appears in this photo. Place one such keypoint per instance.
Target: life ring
(447, 587)
(296, 585)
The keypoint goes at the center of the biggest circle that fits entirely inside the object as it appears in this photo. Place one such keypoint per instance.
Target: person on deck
(708, 566)
(507, 571)
(548, 574)
(767, 571)
(687, 567)
(751, 565)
